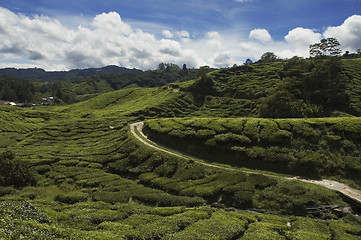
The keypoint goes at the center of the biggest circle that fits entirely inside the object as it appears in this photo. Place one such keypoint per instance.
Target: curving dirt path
(344, 189)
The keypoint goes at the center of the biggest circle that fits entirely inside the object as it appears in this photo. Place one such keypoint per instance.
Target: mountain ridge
(39, 74)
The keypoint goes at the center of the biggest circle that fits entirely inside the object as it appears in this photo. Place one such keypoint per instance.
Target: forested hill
(38, 74)
(318, 87)
(80, 88)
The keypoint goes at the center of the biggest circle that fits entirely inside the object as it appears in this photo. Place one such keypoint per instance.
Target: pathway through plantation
(347, 191)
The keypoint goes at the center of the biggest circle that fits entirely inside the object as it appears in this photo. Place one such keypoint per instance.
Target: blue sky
(214, 32)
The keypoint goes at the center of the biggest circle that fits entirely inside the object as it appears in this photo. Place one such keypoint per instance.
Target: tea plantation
(92, 179)
(327, 147)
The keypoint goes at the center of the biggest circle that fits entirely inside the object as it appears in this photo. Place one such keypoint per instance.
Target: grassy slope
(353, 70)
(134, 102)
(83, 169)
(309, 147)
(239, 91)
(89, 168)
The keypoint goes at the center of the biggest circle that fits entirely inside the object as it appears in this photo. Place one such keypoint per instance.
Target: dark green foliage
(219, 226)
(291, 198)
(243, 199)
(16, 90)
(281, 104)
(268, 57)
(71, 198)
(309, 88)
(81, 85)
(95, 181)
(38, 74)
(235, 91)
(14, 172)
(327, 46)
(308, 147)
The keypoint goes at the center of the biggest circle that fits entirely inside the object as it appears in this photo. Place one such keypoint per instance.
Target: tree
(333, 47)
(325, 46)
(161, 66)
(14, 172)
(268, 57)
(184, 67)
(316, 50)
(202, 71)
(248, 61)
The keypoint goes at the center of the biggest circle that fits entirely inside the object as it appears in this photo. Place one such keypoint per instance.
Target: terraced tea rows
(95, 181)
(308, 147)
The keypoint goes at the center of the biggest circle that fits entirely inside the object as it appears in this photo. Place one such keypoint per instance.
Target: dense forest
(16, 90)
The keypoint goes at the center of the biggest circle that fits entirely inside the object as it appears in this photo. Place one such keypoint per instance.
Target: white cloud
(106, 39)
(302, 37)
(348, 33)
(222, 59)
(111, 22)
(243, 1)
(170, 47)
(299, 40)
(168, 34)
(214, 41)
(261, 35)
(182, 34)
(45, 42)
(213, 35)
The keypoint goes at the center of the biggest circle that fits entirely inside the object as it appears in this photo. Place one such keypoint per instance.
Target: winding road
(351, 193)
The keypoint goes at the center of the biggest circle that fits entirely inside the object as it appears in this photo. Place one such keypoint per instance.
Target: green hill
(91, 170)
(293, 88)
(94, 180)
(327, 147)
(80, 85)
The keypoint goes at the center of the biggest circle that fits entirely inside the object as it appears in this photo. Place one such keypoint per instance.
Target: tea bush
(309, 147)
(71, 198)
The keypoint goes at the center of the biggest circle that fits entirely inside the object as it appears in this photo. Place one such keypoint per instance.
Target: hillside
(93, 169)
(293, 88)
(327, 147)
(80, 85)
(94, 180)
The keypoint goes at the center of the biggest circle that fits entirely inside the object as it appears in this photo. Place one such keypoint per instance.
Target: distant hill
(79, 85)
(38, 74)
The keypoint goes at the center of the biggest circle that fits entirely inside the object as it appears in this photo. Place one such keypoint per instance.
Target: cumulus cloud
(348, 33)
(183, 34)
(302, 37)
(170, 47)
(214, 40)
(260, 34)
(168, 34)
(111, 22)
(106, 39)
(222, 59)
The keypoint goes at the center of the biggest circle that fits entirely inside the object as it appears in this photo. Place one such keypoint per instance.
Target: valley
(96, 174)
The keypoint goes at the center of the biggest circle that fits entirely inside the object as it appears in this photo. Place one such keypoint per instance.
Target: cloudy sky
(68, 34)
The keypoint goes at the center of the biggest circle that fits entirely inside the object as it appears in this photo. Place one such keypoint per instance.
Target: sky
(72, 34)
